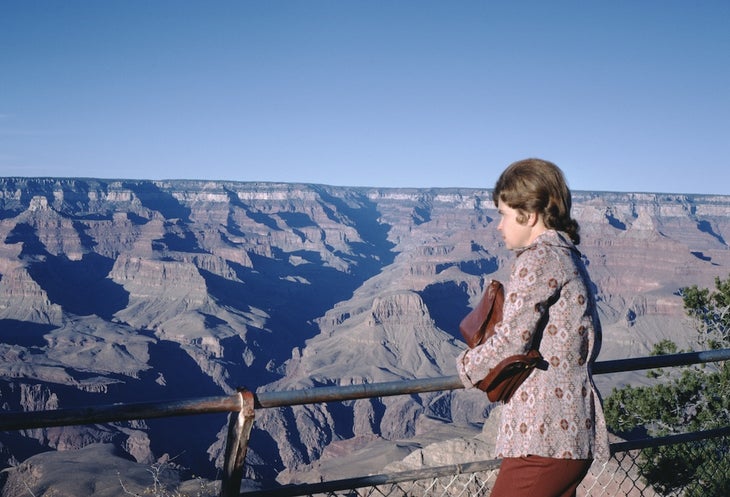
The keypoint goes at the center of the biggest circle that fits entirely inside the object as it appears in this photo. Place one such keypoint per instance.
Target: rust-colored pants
(537, 476)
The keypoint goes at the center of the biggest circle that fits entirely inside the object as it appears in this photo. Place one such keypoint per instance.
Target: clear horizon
(623, 96)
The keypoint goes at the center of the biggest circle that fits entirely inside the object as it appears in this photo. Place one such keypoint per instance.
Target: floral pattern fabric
(557, 411)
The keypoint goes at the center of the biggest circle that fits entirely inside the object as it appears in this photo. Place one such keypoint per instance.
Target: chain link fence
(688, 465)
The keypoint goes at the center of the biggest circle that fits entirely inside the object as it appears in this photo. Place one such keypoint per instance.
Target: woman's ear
(532, 219)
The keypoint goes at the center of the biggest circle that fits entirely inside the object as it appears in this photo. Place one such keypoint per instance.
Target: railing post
(239, 430)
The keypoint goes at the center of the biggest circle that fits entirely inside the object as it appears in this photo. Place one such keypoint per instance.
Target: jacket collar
(551, 238)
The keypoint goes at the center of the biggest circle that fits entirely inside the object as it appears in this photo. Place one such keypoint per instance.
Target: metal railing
(242, 407)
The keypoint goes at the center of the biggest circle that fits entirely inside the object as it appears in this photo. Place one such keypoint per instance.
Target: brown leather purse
(477, 327)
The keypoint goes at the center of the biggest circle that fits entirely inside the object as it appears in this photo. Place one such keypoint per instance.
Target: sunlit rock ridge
(128, 291)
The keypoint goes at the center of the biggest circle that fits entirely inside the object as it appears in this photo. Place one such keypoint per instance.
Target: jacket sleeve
(534, 282)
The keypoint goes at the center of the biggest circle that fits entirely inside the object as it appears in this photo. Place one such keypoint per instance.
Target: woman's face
(515, 234)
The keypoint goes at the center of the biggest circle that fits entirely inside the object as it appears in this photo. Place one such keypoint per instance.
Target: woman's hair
(539, 186)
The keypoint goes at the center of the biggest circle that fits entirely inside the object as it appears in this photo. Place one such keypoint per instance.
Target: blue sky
(623, 95)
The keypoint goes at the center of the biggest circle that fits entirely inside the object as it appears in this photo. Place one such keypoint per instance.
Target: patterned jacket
(557, 411)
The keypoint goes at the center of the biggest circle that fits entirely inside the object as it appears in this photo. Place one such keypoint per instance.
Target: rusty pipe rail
(366, 390)
(224, 404)
(118, 412)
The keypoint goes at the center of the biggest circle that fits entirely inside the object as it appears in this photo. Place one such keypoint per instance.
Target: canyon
(129, 291)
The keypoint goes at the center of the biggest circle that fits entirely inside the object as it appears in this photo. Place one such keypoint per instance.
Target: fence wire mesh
(448, 485)
(690, 465)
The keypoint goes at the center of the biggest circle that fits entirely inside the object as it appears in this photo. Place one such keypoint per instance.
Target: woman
(553, 427)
